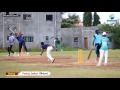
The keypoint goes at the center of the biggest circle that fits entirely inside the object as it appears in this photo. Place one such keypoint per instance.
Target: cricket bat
(90, 52)
(11, 30)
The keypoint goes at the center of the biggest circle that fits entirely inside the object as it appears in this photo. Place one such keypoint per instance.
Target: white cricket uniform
(49, 49)
(11, 40)
(104, 50)
(54, 41)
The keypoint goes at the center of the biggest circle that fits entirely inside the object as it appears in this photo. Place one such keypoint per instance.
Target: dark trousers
(97, 48)
(24, 45)
(10, 49)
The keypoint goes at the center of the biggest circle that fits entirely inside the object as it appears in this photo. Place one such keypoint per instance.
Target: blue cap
(97, 31)
(42, 43)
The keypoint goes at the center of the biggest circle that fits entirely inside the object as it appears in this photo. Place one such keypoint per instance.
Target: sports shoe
(98, 65)
(8, 55)
(105, 64)
(19, 55)
(27, 53)
(53, 61)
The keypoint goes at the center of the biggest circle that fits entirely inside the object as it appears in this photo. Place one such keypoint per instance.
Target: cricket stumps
(80, 56)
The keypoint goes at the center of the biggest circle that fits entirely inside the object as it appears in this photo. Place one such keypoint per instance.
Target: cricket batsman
(21, 43)
(96, 43)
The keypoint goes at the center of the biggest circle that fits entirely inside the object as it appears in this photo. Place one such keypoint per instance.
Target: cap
(104, 33)
(97, 31)
(42, 43)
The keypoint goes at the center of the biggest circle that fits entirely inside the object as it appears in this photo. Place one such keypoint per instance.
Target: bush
(3, 50)
(34, 50)
(63, 47)
(68, 48)
(115, 29)
(15, 49)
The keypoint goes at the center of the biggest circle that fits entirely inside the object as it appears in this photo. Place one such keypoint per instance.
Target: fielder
(49, 48)
(21, 42)
(96, 43)
(57, 44)
(104, 42)
(11, 43)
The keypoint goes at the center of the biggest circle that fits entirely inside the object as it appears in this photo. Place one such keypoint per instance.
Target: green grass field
(81, 71)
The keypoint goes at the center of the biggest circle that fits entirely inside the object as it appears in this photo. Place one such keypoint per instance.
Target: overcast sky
(104, 16)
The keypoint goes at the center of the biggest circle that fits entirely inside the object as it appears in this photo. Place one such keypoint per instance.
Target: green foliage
(68, 48)
(116, 33)
(14, 48)
(73, 19)
(87, 19)
(70, 21)
(116, 38)
(64, 48)
(62, 13)
(3, 50)
(34, 49)
(96, 19)
(66, 24)
(105, 27)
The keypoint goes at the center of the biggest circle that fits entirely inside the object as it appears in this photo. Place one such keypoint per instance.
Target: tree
(73, 19)
(116, 33)
(87, 19)
(105, 27)
(62, 13)
(65, 23)
(96, 19)
(70, 21)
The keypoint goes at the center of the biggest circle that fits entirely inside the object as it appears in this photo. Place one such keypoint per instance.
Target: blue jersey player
(49, 48)
(21, 42)
(96, 43)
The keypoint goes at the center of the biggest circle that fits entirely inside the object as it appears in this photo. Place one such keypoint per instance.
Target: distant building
(36, 26)
(81, 37)
(44, 27)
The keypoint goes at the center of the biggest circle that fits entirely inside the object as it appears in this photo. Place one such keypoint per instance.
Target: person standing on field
(104, 42)
(21, 43)
(96, 43)
(57, 44)
(11, 43)
(55, 41)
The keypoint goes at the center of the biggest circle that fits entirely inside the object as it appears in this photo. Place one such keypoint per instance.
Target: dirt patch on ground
(60, 62)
